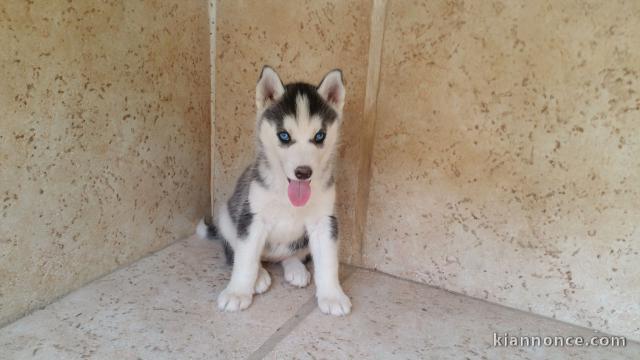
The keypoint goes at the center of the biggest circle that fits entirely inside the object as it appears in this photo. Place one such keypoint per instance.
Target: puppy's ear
(331, 89)
(269, 88)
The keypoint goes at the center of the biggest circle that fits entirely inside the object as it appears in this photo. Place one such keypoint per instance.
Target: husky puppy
(282, 209)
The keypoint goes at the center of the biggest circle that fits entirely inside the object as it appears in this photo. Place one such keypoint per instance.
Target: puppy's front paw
(335, 304)
(233, 301)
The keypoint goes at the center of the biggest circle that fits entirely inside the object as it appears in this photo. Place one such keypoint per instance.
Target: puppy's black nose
(303, 172)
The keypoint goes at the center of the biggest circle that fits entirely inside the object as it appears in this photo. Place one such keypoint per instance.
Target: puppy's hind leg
(263, 282)
(295, 272)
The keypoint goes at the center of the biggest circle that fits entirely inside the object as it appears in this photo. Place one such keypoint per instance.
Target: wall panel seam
(376, 39)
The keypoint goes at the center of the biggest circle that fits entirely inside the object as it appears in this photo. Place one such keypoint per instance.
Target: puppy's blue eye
(319, 138)
(284, 137)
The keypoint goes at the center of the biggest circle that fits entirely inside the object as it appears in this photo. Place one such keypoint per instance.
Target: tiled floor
(163, 307)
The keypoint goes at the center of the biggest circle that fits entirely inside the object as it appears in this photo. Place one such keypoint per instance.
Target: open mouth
(299, 192)
(289, 180)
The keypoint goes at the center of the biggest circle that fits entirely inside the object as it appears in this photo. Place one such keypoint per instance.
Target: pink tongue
(299, 192)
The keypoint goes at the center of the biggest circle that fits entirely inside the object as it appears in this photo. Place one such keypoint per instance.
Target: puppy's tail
(210, 232)
(206, 231)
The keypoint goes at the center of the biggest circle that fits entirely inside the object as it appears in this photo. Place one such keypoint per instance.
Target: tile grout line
(288, 326)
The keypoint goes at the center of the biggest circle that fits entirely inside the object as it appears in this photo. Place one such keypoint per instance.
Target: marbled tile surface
(397, 319)
(505, 160)
(104, 139)
(163, 307)
(302, 40)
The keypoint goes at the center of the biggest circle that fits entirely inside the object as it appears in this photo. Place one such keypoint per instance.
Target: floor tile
(398, 319)
(161, 307)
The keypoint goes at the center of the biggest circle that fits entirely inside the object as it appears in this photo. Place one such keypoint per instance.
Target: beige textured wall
(502, 139)
(506, 155)
(104, 139)
(302, 41)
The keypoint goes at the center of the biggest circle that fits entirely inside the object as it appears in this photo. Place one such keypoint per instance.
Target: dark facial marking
(287, 105)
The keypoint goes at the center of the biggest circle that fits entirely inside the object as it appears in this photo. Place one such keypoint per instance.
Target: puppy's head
(298, 127)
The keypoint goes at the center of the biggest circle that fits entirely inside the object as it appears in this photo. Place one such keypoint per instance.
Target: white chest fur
(284, 222)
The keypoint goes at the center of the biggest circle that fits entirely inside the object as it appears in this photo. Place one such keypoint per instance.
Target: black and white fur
(259, 223)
